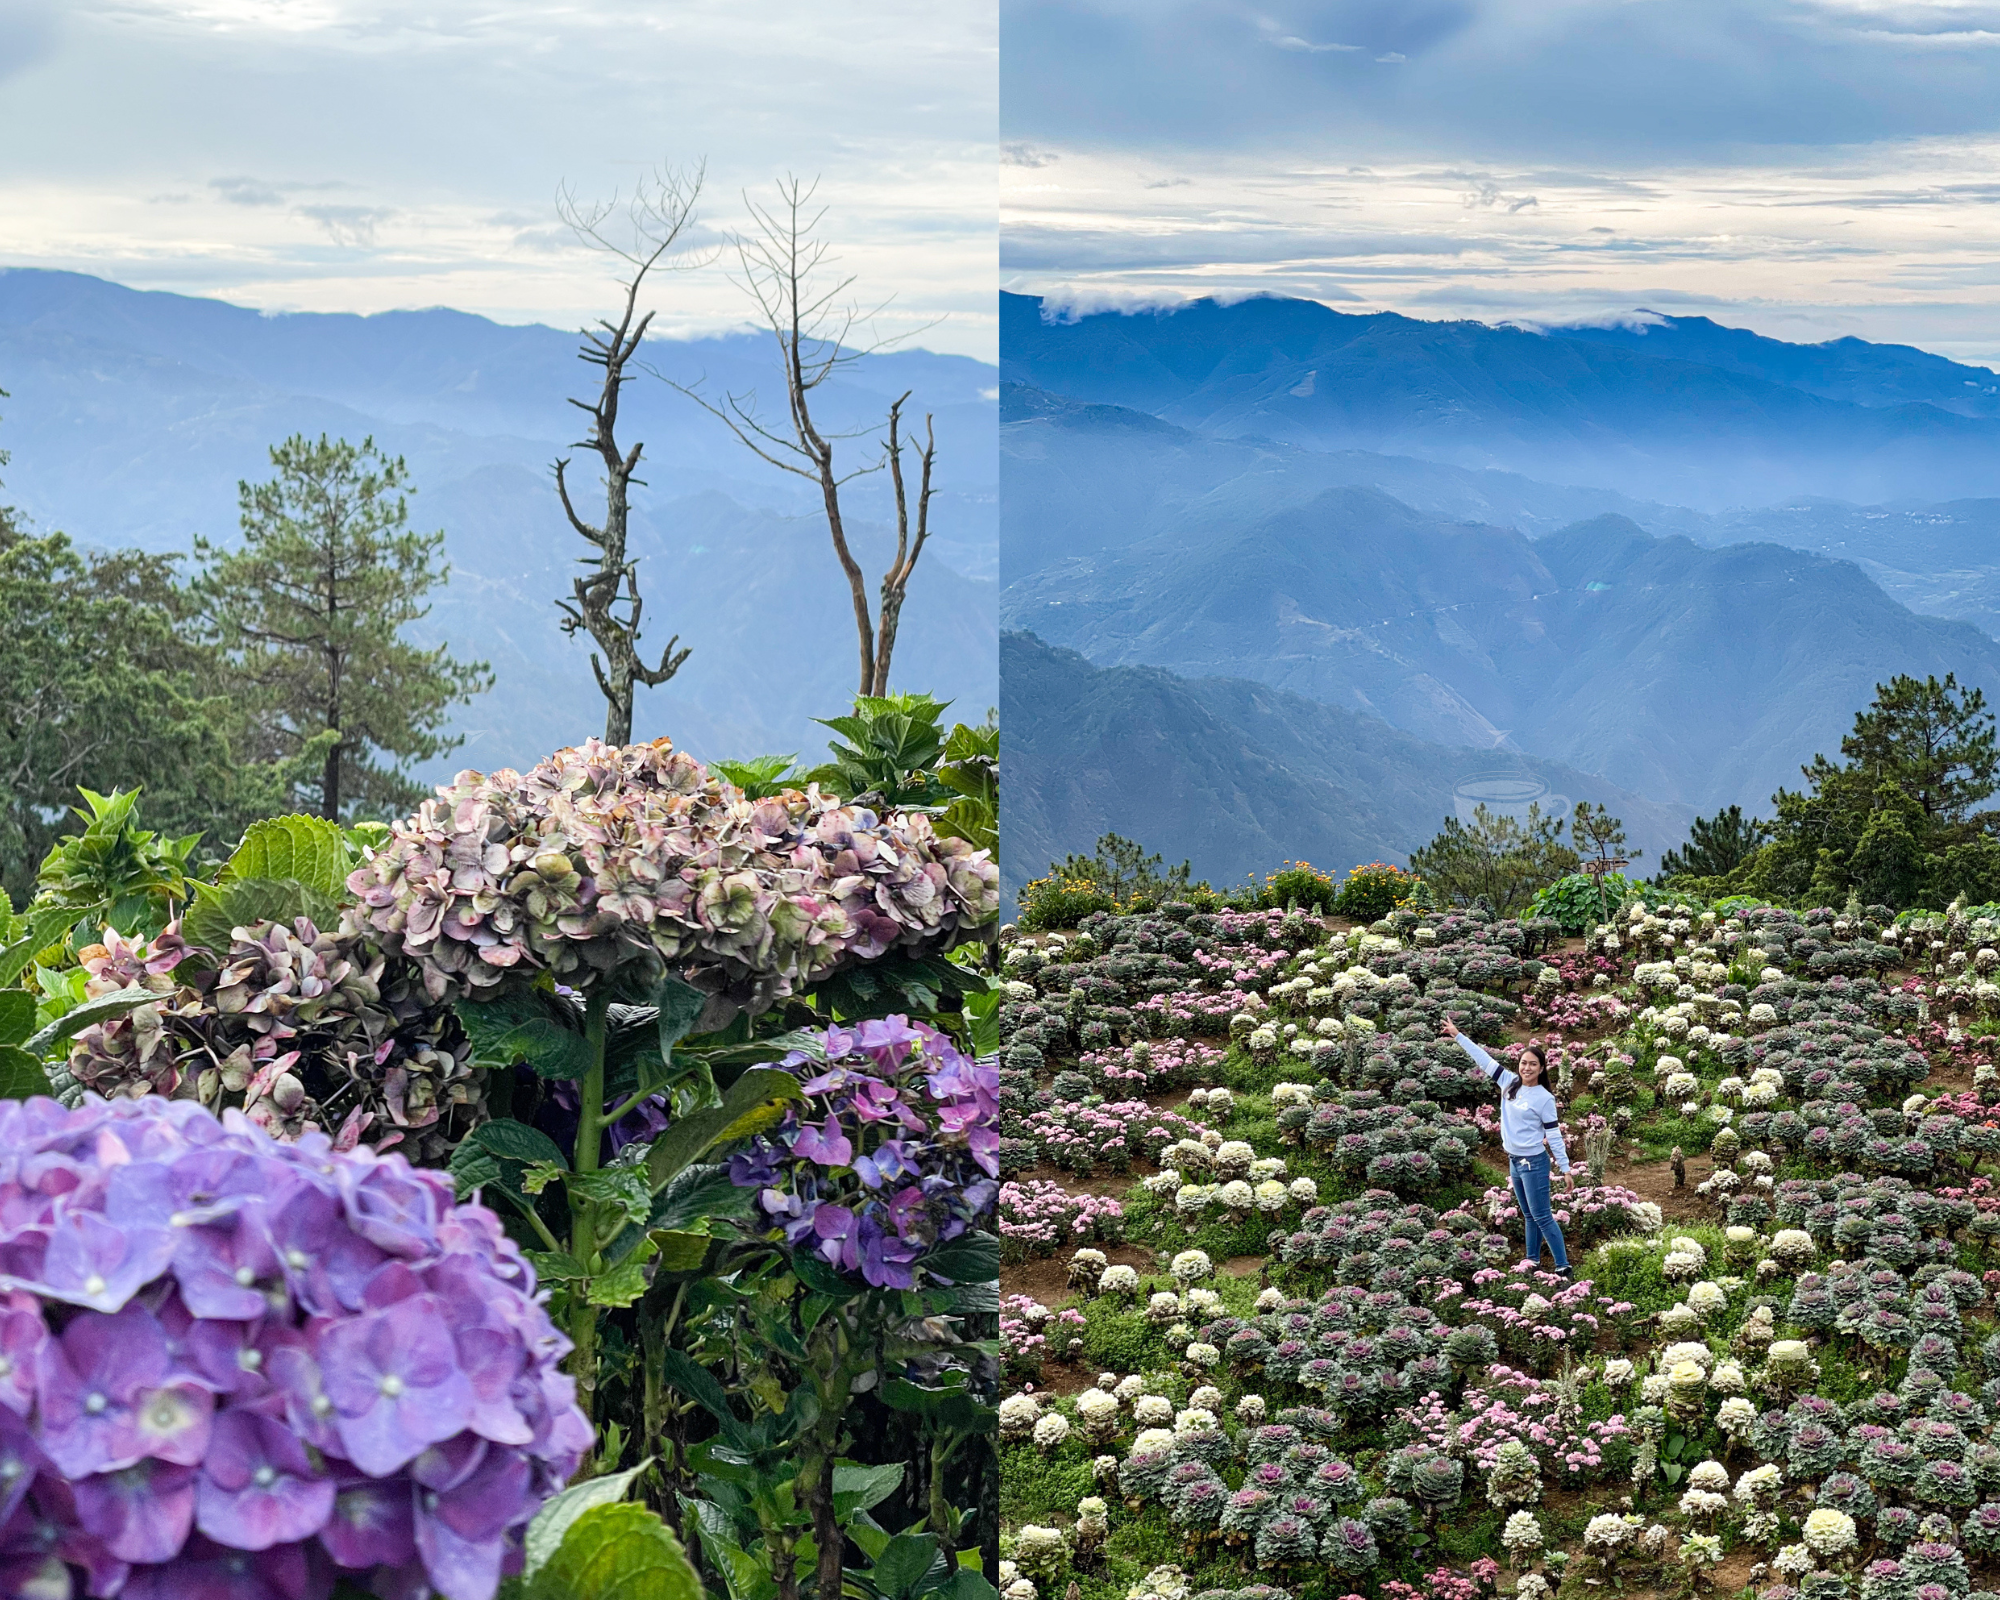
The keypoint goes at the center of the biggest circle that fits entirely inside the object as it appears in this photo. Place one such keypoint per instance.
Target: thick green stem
(818, 1447)
(583, 1220)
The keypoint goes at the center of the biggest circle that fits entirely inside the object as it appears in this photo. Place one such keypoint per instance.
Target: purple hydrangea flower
(258, 1486)
(895, 1151)
(231, 1368)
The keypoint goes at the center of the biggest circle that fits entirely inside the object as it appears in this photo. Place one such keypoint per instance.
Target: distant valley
(1174, 509)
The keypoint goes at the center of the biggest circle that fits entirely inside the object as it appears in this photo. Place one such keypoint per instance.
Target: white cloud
(367, 154)
(1892, 241)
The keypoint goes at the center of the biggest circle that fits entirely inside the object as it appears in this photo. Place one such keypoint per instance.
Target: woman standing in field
(1530, 1130)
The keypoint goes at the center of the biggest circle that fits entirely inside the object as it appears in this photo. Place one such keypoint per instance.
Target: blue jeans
(1529, 1176)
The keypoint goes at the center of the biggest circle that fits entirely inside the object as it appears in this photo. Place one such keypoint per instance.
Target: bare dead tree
(647, 233)
(785, 268)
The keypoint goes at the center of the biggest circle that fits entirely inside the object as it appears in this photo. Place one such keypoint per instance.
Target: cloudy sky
(362, 155)
(1809, 168)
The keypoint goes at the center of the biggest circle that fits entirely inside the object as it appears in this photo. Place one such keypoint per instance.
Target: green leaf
(559, 1514)
(699, 1194)
(44, 928)
(680, 1005)
(677, 1251)
(525, 1025)
(220, 909)
(307, 850)
(857, 1488)
(982, 1020)
(619, 1287)
(754, 1102)
(119, 1003)
(22, 1075)
(824, 1279)
(684, 1373)
(970, 1258)
(623, 1189)
(968, 1583)
(516, 1141)
(974, 1299)
(617, 1552)
(17, 1016)
(903, 1565)
(556, 1266)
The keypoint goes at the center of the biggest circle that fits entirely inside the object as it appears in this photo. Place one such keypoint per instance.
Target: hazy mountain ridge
(131, 417)
(1597, 409)
(1698, 675)
(1234, 775)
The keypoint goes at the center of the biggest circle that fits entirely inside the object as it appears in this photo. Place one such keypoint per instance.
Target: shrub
(1061, 902)
(1298, 882)
(1576, 903)
(1372, 891)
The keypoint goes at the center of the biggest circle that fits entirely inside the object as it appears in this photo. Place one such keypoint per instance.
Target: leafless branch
(786, 268)
(648, 232)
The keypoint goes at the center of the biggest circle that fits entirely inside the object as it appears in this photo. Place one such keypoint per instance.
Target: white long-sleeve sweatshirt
(1528, 1119)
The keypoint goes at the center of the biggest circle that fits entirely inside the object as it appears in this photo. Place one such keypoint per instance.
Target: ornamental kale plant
(235, 1365)
(892, 1151)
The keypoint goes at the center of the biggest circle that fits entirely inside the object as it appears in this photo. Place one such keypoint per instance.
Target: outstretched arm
(1480, 1058)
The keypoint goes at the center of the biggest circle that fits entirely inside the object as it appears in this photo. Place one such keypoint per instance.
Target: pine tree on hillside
(310, 613)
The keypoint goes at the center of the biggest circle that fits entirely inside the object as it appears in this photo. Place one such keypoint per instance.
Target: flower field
(1264, 1330)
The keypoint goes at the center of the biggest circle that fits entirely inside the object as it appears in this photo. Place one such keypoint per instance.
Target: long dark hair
(1541, 1061)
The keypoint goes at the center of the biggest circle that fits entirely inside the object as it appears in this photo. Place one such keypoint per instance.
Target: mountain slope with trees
(1233, 775)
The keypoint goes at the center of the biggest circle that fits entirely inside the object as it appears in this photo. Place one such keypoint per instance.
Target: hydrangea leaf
(556, 1266)
(970, 1258)
(754, 1101)
(859, 1488)
(523, 1025)
(221, 908)
(623, 1188)
(904, 1564)
(678, 1250)
(553, 1522)
(617, 1552)
(679, 1005)
(516, 1141)
(307, 850)
(620, 1286)
(72, 1022)
(698, 1194)
(17, 1016)
(22, 1075)
(43, 928)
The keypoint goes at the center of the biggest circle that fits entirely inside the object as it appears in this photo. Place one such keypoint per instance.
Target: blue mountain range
(1668, 556)
(131, 417)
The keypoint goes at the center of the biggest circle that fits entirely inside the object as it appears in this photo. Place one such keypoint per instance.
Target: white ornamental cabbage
(1051, 1431)
(1191, 1266)
(1018, 1415)
(1153, 1411)
(1829, 1533)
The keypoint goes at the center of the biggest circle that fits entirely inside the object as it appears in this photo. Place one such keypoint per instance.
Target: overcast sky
(1808, 168)
(362, 155)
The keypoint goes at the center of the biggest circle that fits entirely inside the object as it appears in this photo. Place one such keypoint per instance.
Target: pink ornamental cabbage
(606, 857)
(236, 1367)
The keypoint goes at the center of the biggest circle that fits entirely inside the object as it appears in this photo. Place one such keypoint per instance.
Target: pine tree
(1716, 845)
(310, 613)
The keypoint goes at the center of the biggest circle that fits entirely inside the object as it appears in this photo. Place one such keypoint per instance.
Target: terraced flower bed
(1266, 1335)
